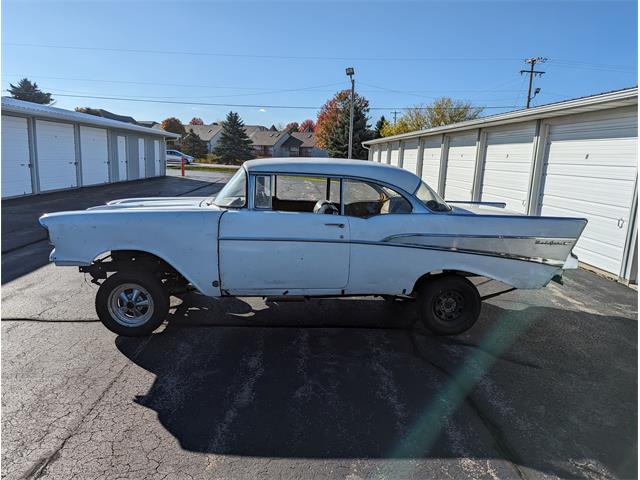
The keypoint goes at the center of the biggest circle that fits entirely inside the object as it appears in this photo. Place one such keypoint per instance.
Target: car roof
(380, 172)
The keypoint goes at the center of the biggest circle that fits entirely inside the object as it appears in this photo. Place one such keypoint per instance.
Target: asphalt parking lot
(544, 386)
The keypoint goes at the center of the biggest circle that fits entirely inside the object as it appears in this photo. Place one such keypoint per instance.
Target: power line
(247, 55)
(184, 85)
(559, 62)
(243, 105)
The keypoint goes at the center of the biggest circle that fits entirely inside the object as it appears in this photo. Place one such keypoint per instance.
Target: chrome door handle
(339, 225)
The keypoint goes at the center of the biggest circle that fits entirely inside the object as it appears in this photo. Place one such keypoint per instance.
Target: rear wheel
(448, 304)
(132, 304)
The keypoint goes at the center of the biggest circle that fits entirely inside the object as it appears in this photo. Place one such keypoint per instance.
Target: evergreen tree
(234, 145)
(29, 92)
(193, 145)
(332, 127)
(377, 133)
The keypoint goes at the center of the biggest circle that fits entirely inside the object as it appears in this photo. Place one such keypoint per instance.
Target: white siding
(156, 157)
(16, 173)
(590, 171)
(461, 160)
(431, 161)
(122, 157)
(55, 144)
(507, 166)
(395, 154)
(94, 154)
(141, 159)
(410, 155)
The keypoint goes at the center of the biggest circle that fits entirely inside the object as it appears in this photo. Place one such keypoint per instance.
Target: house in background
(302, 144)
(207, 133)
(267, 142)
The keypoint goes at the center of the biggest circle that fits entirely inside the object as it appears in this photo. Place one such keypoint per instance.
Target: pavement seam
(39, 469)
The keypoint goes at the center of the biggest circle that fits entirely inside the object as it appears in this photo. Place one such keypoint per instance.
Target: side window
(262, 198)
(298, 193)
(366, 199)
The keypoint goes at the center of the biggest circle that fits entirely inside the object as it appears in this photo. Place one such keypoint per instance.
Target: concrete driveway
(544, 386)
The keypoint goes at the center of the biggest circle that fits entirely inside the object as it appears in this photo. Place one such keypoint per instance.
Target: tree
(332, 126)
(193, 145)
(443, 111)
(307, 126)
(234, 145)
(292, 127)
(377, 132)
(173, 125)
(89, 110)
(196, 121)
(29, 92)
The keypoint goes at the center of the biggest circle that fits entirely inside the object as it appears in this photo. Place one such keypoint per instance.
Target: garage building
(45, 149)
(573, 158)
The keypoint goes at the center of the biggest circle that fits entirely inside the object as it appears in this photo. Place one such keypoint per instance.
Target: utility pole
(395, 115)
(532, 61)
(350, 73)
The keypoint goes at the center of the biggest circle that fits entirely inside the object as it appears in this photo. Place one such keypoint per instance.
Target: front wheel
(132, 304)
(448, 304)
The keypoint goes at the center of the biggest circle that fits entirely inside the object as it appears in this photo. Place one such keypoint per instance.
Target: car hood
(152, 202)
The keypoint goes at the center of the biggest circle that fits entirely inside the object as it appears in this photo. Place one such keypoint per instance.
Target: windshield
(234, 193)
(431, 199)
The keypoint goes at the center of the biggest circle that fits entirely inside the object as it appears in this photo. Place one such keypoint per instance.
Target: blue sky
(268, 54)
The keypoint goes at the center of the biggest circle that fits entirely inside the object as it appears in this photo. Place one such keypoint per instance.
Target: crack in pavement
(496, 432)
(41, 465)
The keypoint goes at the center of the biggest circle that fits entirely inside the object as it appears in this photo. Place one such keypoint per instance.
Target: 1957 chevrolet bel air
(308, 228)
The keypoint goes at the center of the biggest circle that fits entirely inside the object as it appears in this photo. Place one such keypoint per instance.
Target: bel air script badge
(553, 242)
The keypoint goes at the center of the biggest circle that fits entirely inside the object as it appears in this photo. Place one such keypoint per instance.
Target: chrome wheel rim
(130, 305)
(448, 305)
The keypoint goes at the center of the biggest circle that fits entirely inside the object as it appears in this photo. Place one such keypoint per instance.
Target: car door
(275, 252)
(375, 213)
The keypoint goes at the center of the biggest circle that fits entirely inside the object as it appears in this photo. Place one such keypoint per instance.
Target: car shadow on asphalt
(356, 378)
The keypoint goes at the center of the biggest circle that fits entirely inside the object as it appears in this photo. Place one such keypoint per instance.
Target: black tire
(111, 311)
(448, 304)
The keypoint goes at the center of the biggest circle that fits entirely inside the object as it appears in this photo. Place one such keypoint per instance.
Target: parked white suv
(175, 156)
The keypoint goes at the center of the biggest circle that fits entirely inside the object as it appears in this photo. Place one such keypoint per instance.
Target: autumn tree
(29, 92)
(234, 145)
(193, 145)
(89, 110)
(196, 121)
(307, 126)
(332, 126)
(443, 111)
(292, 127)
(173, 125)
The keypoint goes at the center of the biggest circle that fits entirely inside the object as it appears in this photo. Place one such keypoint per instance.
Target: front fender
(186, 240)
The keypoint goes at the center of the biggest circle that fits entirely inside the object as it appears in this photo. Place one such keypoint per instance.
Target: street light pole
(350, 73)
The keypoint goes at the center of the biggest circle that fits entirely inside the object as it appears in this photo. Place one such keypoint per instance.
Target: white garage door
(507, 167)
(141, 159)
(16, 173)
(461, 161)
(381, 154)
(94, 154)
(410, 155)
(156, 157)
(395, 154)
(122, 158)
(55, 144)
(590, 172)
(431, 161)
